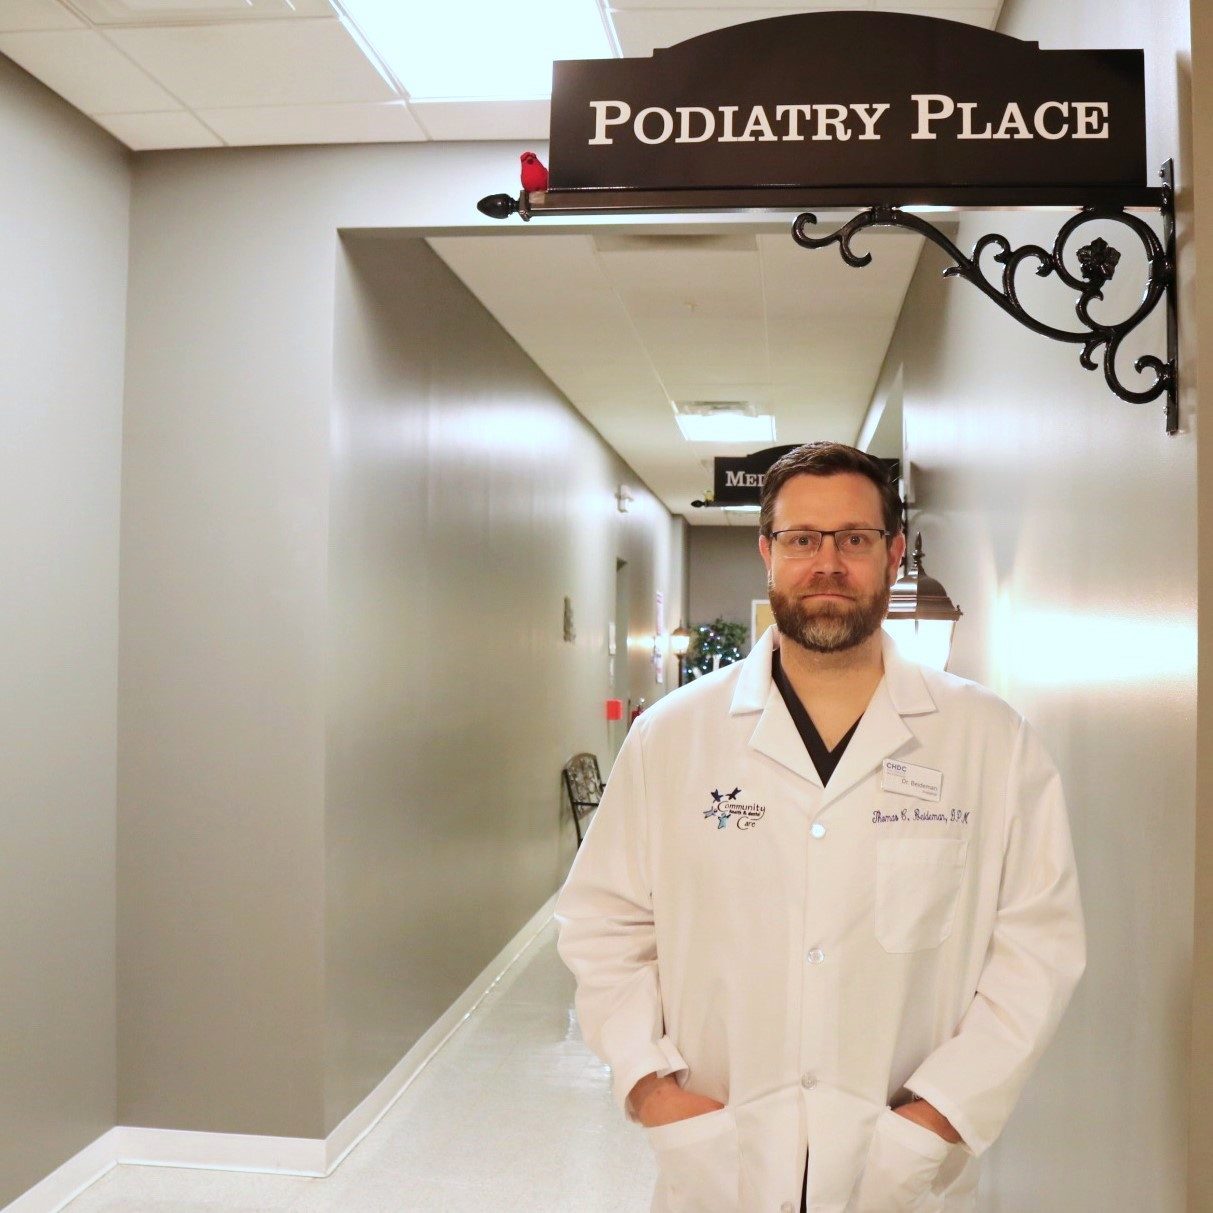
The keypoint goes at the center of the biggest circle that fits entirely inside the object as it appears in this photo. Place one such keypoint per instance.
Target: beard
(825, 625)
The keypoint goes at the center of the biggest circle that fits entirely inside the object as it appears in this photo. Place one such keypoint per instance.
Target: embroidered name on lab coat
(725, 807)
(950, 816)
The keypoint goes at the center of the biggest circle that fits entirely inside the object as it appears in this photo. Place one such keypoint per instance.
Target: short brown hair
(829, 459)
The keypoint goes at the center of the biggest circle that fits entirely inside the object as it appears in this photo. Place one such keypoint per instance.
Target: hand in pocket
(903, 1161)
(664, 1102)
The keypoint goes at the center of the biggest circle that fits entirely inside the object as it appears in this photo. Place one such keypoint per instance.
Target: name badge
(911, 780)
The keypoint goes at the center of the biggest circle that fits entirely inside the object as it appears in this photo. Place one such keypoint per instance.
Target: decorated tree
(715, 644)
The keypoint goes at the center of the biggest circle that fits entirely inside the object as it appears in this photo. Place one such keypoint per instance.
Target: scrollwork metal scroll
(1097, 261)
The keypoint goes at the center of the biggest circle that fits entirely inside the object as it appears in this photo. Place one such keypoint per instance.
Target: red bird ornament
(534, 175)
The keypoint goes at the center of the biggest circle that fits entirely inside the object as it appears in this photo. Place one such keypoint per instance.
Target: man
(826, 919)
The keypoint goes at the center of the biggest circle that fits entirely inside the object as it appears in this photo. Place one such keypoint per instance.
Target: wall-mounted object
(623, 498)
(886, 112)
(570, 632)
(1087, 273)
(680, 642)
(614, 709)
(921, 617)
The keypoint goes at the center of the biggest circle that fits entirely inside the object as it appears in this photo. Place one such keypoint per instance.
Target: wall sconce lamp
(921, 616)
(680, 643)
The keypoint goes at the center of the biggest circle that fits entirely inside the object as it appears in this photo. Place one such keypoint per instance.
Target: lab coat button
(808, 1081)
(818, 830)
(816, 956)
(787, 1207)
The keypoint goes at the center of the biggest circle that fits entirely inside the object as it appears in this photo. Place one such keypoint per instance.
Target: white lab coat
(807, 955)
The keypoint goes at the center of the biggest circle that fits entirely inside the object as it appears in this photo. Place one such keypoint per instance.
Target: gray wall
(1199, 333)
(468, 499)
(271, 539)
(725, 573)
(63, 243)
(1063, 522)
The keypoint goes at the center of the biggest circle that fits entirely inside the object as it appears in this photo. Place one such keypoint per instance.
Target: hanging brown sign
(849, 99)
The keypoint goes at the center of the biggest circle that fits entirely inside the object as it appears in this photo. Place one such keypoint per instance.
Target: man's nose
(827, 558)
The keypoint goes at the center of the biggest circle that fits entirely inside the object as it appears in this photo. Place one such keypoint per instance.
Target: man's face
(829, 601)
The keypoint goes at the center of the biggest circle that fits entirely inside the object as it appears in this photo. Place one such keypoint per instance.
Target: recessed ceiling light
(723, 421)
(727, 427)
(478, 48)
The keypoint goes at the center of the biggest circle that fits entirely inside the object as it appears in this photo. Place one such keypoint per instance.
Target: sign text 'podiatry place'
(936, 116)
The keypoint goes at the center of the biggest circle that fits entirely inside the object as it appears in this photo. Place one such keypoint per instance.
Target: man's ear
(764, 550)
(897, 551)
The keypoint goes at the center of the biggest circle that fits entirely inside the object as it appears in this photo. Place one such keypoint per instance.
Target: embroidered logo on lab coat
(726, 807)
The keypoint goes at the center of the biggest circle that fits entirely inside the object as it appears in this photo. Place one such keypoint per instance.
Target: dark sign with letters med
(737, 479)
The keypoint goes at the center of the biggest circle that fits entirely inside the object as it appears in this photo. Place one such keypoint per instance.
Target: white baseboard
(65, 1183)
(276, 1155)
(220, 1151)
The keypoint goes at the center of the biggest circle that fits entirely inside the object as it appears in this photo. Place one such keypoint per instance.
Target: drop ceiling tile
(942, 7)
(640, 33)
(969, 15)
(607, 321)
(36, 14)
(385, 122)
(148, 132)
(484, 119)
(85, 70)
(196, 12)
(257, 63)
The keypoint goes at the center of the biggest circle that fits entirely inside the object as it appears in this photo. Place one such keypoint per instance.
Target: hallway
(512, 1113)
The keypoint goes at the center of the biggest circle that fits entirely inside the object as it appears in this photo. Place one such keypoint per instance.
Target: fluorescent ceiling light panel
(479, 48)
(726, 427)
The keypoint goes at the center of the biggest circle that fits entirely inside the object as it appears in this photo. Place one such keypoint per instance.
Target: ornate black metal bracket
(1097, 263)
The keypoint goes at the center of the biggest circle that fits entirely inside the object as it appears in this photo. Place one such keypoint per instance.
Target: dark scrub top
(825, 761)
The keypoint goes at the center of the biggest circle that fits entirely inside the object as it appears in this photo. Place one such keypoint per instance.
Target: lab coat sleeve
(607, 937)
(1036, 955)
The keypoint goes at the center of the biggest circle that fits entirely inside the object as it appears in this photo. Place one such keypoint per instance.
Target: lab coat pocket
(697, 1162)
(917, 882)
(903, 1162)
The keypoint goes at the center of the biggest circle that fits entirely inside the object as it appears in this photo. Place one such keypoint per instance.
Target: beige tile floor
(512, 1114)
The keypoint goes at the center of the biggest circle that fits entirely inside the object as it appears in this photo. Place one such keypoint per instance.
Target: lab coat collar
(882, 731)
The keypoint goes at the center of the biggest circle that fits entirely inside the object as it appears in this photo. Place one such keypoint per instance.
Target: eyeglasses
(853, 542)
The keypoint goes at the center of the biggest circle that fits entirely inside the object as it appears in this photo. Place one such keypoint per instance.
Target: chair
(583, 782)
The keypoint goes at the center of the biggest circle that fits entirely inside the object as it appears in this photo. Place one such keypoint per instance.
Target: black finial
(497, 206)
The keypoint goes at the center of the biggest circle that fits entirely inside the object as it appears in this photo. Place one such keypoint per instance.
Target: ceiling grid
(205, 73)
